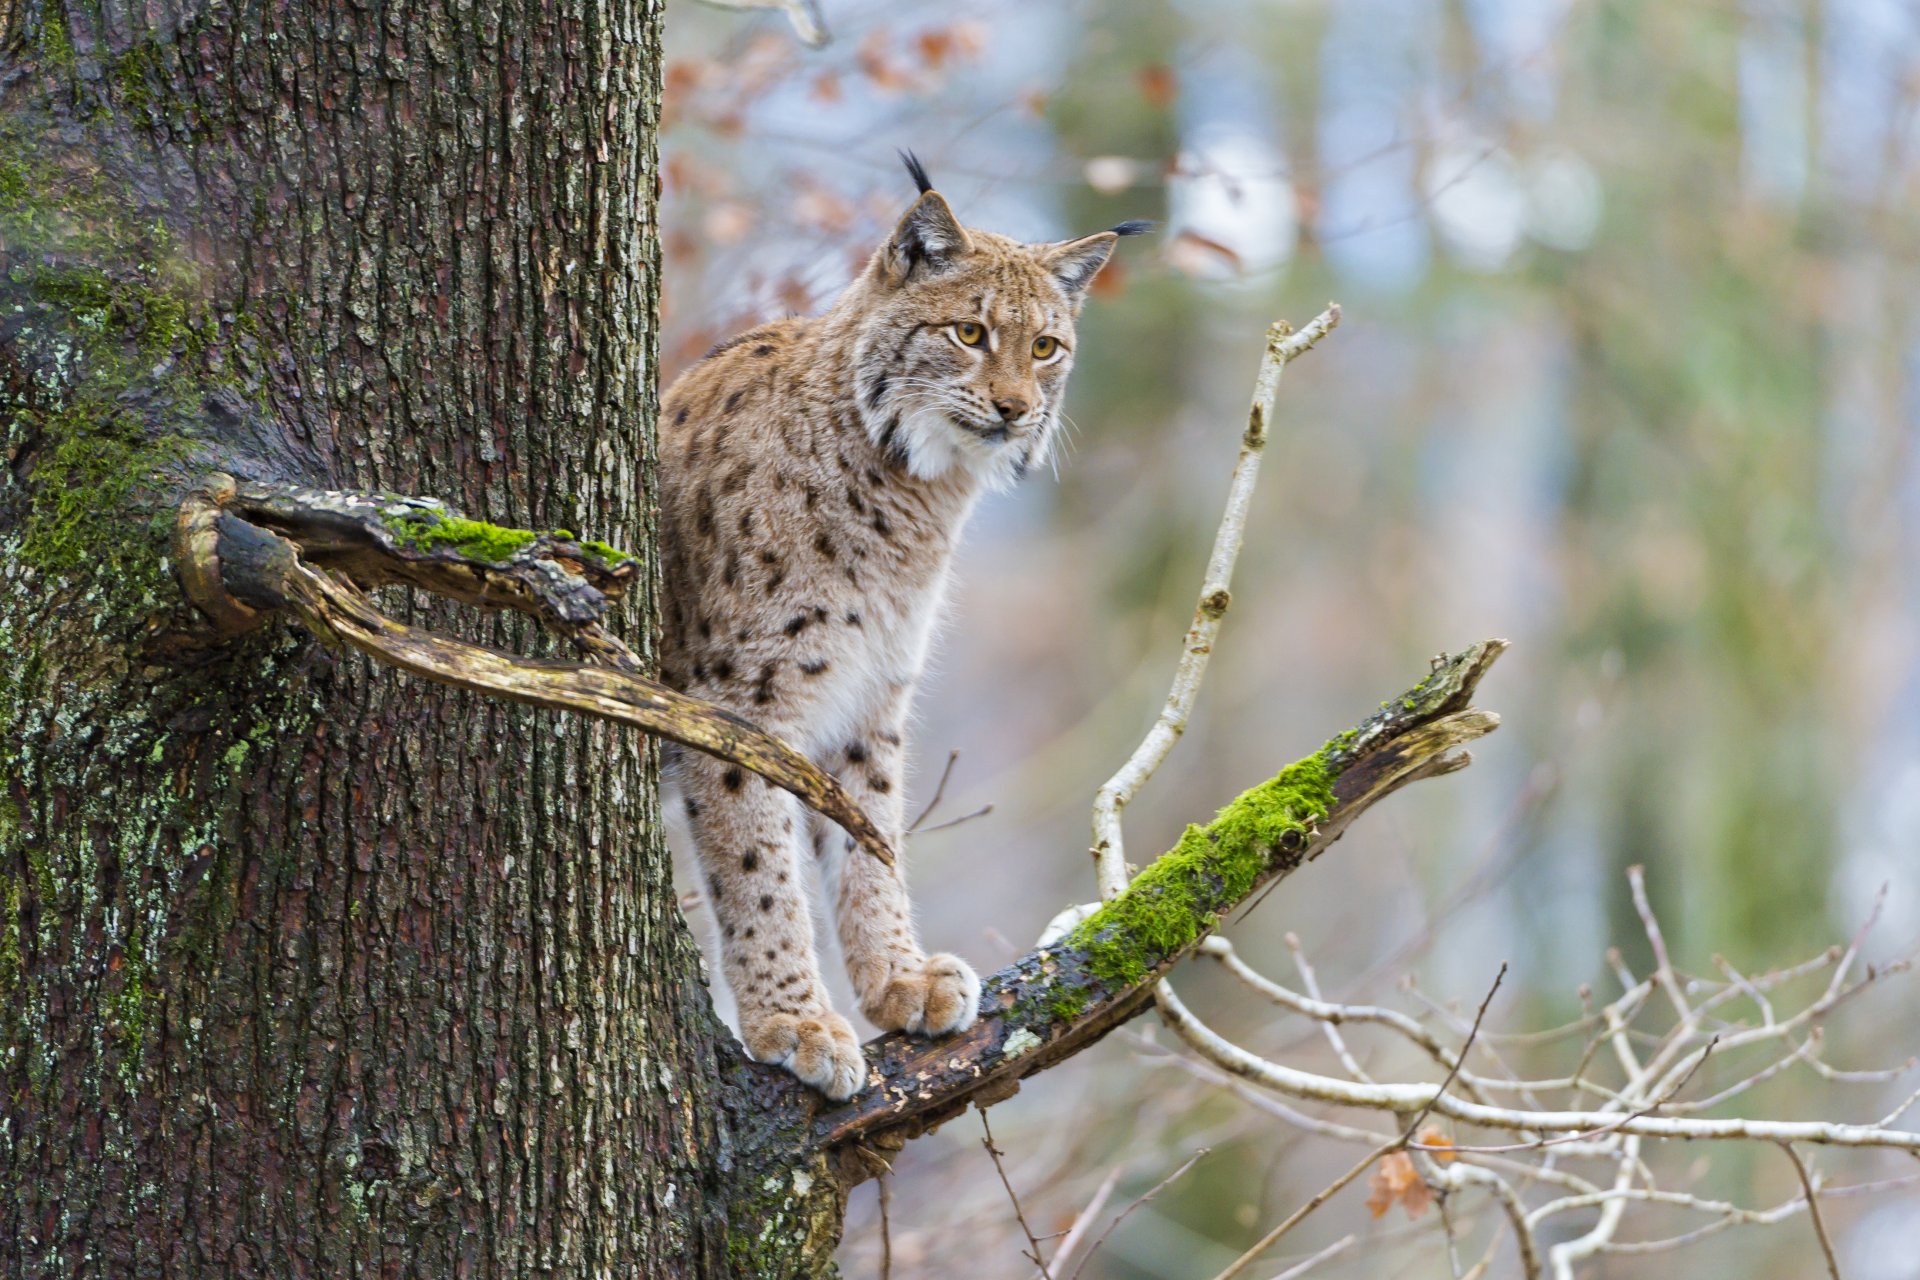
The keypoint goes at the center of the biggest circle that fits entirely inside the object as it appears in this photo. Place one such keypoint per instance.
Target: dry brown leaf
(1437, 1144)
(877, 64)
(969, 38)
(817, 207)
(935, 46)
(727, 223)
(1395, 1178)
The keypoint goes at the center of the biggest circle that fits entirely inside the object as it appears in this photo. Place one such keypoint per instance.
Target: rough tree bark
(307, 966)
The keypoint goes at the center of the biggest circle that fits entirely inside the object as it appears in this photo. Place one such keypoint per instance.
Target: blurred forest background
(1630, 374)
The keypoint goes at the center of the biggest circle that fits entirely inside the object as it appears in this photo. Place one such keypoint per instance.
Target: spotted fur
(815, 475)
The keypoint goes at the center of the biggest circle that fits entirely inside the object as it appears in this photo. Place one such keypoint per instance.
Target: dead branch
(245, 551)
(1059, 999)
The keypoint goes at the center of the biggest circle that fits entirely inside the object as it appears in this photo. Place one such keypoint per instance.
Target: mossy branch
(245, 551)
(1058, 999)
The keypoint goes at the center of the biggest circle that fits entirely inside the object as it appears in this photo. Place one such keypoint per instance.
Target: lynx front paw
(821, 1050)
(938, 995)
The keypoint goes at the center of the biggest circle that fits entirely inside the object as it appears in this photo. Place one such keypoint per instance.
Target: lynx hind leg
(900, 986)
(746, 836)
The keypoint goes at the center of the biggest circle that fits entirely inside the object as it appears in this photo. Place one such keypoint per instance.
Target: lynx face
(965, 343)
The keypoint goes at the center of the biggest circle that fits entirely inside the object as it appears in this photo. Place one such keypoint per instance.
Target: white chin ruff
(935, 444)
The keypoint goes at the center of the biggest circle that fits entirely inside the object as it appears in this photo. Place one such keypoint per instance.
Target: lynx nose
(1011, 408)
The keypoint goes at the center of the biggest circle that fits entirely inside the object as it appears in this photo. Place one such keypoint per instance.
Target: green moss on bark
(106, 321)
(9, 939)
(605, 554)
(1179, 898)
(475, 539)
(478, 540)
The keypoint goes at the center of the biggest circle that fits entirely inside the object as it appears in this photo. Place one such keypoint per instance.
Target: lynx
(815, 474)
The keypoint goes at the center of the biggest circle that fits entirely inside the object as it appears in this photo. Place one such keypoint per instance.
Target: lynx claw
(939, 995)
(821, 1051)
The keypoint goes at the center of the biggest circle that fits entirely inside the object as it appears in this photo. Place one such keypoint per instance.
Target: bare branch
(1087, 1217)
(1410, 1097)
(1283, 345)
(1166, 996)
(808, 22)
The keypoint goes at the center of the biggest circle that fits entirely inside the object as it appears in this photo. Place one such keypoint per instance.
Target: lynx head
(965, 338)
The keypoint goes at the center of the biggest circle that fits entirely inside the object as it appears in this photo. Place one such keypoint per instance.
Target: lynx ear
(1075, 263)
(929, 235)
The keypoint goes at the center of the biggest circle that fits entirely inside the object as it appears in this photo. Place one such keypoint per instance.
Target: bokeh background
(1630, 375)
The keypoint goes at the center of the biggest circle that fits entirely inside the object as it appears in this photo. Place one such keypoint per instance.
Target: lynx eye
(969, 333)
(1043, 348)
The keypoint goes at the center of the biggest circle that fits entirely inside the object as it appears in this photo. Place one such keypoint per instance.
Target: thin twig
(1032, 1240)
(1637, 880)
(1308, 1263)
(886, 1229)
(1299, 1215)
(1139, 1200)
(1329, 1025)
(1087, 1217)
(1478, 1018)
(939, 790)
(950, 823)
(1813, 1208)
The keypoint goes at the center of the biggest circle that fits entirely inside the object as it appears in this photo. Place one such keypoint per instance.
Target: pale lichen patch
(1021, 1041)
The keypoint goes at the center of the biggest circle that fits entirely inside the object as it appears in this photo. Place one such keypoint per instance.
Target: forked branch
(248, 550)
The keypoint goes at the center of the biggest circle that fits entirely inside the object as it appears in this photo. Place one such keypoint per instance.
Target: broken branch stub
(246, 551)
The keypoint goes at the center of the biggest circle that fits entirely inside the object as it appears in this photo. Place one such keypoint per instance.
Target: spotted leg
(900, 986)
(747, 837)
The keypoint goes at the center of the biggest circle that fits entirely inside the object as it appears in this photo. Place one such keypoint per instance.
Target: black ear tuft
(1134, 227)
(918, 170)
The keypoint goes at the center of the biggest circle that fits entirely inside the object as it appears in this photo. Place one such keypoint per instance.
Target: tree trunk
(308, 967)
